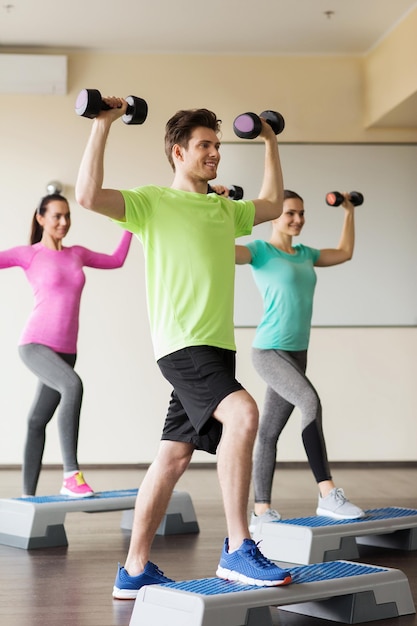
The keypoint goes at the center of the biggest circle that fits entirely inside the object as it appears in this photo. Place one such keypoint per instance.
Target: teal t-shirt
(189, 246)
(286, 283)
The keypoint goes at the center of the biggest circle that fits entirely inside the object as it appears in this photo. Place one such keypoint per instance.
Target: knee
(267, 434)
(239, 415)
(180, 462)
(174, 457)
(36, 425)
(75, 385)
(310, 403)
(246, 420)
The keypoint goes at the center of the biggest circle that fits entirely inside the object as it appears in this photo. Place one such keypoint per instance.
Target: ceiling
(191, 27)
(240, 27)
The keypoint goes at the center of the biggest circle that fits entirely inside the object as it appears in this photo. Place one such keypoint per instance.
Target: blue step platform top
(338, 591)
(300, 574)
(99, 495)
(371, 515)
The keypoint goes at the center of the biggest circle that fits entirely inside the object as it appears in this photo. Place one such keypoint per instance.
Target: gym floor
(72, 586)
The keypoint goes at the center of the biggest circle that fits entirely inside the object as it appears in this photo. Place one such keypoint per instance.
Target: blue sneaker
(248, 565)
(126, 587)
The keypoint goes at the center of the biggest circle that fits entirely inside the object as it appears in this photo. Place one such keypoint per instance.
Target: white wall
(366, 377)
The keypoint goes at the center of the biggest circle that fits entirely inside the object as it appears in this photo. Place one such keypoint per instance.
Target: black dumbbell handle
(235, 192)
(106, 107)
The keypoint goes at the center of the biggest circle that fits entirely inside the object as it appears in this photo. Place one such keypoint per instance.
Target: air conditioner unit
(33, 74)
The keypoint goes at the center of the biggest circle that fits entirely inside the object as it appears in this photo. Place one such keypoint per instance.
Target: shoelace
(340, 495)
(274, 514)
(256, 555)
(155, 569)
(161, 573)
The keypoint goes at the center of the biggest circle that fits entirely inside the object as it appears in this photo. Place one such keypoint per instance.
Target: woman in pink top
(48, 344)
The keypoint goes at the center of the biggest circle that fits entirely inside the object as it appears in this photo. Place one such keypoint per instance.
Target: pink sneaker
(76, 487)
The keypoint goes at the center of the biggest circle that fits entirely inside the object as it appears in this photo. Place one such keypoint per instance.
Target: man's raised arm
(89, 190)
(268, 206)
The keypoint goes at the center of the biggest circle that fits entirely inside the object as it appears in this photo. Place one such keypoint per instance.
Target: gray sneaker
(337, 506)
(269, 516)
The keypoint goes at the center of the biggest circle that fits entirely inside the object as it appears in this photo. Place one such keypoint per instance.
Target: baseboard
(297, 465)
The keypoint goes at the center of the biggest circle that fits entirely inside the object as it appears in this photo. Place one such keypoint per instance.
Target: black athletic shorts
(202, 376)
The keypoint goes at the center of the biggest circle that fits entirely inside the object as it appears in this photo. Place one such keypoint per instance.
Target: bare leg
(153, 498)
(261, 507)
(239, 415)
(325, 487)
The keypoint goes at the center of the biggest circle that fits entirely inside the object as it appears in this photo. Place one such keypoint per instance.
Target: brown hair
(36, 230)
(180, 126)
(291, 194)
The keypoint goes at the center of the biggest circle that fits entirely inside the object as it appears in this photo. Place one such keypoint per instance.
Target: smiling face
(291, 220)
(56, 220)
(200, 158)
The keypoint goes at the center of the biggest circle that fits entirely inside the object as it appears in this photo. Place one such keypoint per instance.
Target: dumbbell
(89, 103)
(335, 198)
(249, 125)
(235, 192)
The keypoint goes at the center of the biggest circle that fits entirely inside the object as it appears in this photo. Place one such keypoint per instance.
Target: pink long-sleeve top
(57, 280)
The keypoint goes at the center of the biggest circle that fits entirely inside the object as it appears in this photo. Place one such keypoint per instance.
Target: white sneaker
(269, 516)
(337, 506)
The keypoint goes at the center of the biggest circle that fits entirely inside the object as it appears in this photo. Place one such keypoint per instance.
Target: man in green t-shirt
(188, 238)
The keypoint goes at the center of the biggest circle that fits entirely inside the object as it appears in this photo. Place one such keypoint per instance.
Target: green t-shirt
(286, 283)
(189, 246)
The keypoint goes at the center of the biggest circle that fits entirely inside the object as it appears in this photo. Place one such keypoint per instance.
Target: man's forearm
(91, 172)
(272, 188)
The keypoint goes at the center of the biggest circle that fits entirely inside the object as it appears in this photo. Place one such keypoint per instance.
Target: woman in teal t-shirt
(285, 276)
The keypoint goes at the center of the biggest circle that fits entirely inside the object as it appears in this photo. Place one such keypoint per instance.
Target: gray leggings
(58, 385)
(288, 386)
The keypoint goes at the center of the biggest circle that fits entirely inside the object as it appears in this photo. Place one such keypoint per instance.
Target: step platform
(38, 521)
(318, 539)
(339, 591)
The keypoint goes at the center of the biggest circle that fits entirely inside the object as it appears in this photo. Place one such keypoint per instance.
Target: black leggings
(58, 385)
(288, 387)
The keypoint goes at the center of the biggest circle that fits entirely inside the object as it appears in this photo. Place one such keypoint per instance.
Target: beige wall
(390, 73)
(365, 376)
